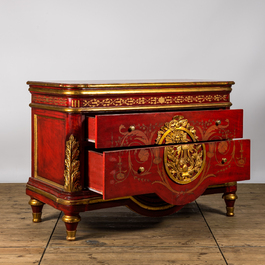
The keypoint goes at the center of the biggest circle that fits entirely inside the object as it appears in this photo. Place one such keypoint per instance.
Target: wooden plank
(251, 188)
(20, 255)
(22, 242)
(244, 255)
(192, 256)
(247, 227)
(120, 236)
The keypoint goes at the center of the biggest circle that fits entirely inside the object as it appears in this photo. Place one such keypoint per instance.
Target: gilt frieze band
(66, 104)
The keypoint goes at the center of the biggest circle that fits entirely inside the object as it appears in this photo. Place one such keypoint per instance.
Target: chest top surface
(127, 95)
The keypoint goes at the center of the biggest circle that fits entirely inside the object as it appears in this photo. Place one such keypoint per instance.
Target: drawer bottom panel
(178, 174)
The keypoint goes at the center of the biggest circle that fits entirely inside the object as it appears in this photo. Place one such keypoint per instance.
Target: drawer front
(176, 173)
(112, 131)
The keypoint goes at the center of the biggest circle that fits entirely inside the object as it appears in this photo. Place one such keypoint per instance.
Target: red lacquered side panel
(50, 132)
(143, 170)
(48, 146)
(139, 129)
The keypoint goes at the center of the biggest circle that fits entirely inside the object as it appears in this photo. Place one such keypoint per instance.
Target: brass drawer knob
(141, 169)
(218, 122)
(131, 128)
(224, 160)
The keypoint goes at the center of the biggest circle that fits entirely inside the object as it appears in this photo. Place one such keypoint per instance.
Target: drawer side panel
(95, 172)
(91, 129)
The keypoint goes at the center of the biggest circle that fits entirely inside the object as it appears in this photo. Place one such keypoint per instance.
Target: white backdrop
(128, 39)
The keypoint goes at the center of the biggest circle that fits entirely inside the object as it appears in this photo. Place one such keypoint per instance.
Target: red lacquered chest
(151, 145)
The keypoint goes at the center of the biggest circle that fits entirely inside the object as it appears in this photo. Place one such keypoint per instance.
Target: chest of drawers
(153, 146)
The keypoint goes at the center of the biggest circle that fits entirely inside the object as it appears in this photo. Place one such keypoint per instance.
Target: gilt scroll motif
(72, 164)
(183, 162)
(168, 100)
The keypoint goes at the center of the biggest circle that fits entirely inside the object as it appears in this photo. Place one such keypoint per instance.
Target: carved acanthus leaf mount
(72, 164)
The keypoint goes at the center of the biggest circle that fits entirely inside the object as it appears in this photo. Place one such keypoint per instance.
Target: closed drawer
(178, 174)
(122, 130)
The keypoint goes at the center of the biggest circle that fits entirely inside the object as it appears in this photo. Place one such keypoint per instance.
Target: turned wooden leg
(230, 198)
(71, 222)
(36, 210)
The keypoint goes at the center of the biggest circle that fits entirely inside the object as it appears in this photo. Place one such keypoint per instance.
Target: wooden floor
(198, 234)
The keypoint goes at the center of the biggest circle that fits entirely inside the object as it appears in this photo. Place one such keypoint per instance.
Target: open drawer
(176, 173)
(138, 129)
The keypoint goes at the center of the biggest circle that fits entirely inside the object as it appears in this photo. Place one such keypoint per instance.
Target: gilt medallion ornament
(183, 162)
